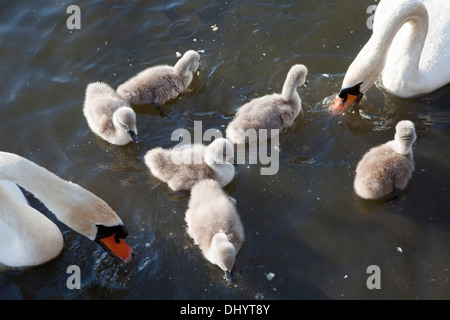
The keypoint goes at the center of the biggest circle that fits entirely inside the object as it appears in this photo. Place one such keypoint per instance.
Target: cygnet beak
(133, 136)
(228, 276)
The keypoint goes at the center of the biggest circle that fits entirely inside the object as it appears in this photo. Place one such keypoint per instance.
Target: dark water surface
(305, 224)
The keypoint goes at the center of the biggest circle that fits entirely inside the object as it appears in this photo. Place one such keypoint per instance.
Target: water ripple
(21, 46)
(120, 12)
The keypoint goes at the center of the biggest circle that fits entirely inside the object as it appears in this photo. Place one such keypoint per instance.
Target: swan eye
(103, 231)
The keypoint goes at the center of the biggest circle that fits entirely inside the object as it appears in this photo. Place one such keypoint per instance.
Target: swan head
(370, 63)
(405, 136)
(347, 97)
(111, 239)
(124, 119)
(223, 254)
(73, 205)
(220, 151)
(188, 63)
(360, 76)
(93, 218)
(192, 59)
(297, 75)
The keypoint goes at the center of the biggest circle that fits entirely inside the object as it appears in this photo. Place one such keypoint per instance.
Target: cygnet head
(296, 77)
(297, 74)
(220, 151)
(188, 63)
(125, 119)
(192, 59)
(223, 253)
(405, 136)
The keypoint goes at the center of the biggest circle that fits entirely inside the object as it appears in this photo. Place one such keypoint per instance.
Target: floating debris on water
(270, 276)
(399, 249)
(178, 55)
(214, 27)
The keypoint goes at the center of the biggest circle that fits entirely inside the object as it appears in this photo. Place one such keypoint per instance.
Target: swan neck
(401, 147)
(290, 90)
(118, 130)
(73, 205)
(183, 66)
(414, 13)
(32, 178)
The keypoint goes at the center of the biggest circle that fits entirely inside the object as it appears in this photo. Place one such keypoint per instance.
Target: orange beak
(339, 105)
(117, 248)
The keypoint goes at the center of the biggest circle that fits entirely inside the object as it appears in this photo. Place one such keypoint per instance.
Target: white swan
(108, 115)
(276, 111)
(181, 168)
(388, 167)
(160, 84)
(409, 48)
(214, 224)
(28, 238)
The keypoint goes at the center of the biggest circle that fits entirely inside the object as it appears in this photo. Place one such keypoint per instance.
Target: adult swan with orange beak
(28, 238)
(409, 49)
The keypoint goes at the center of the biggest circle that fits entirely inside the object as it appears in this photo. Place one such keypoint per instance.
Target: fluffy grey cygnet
(215, 225)
(388, 167)
(108, 115)
(182, 167)
(160, 84)
(275, 111)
